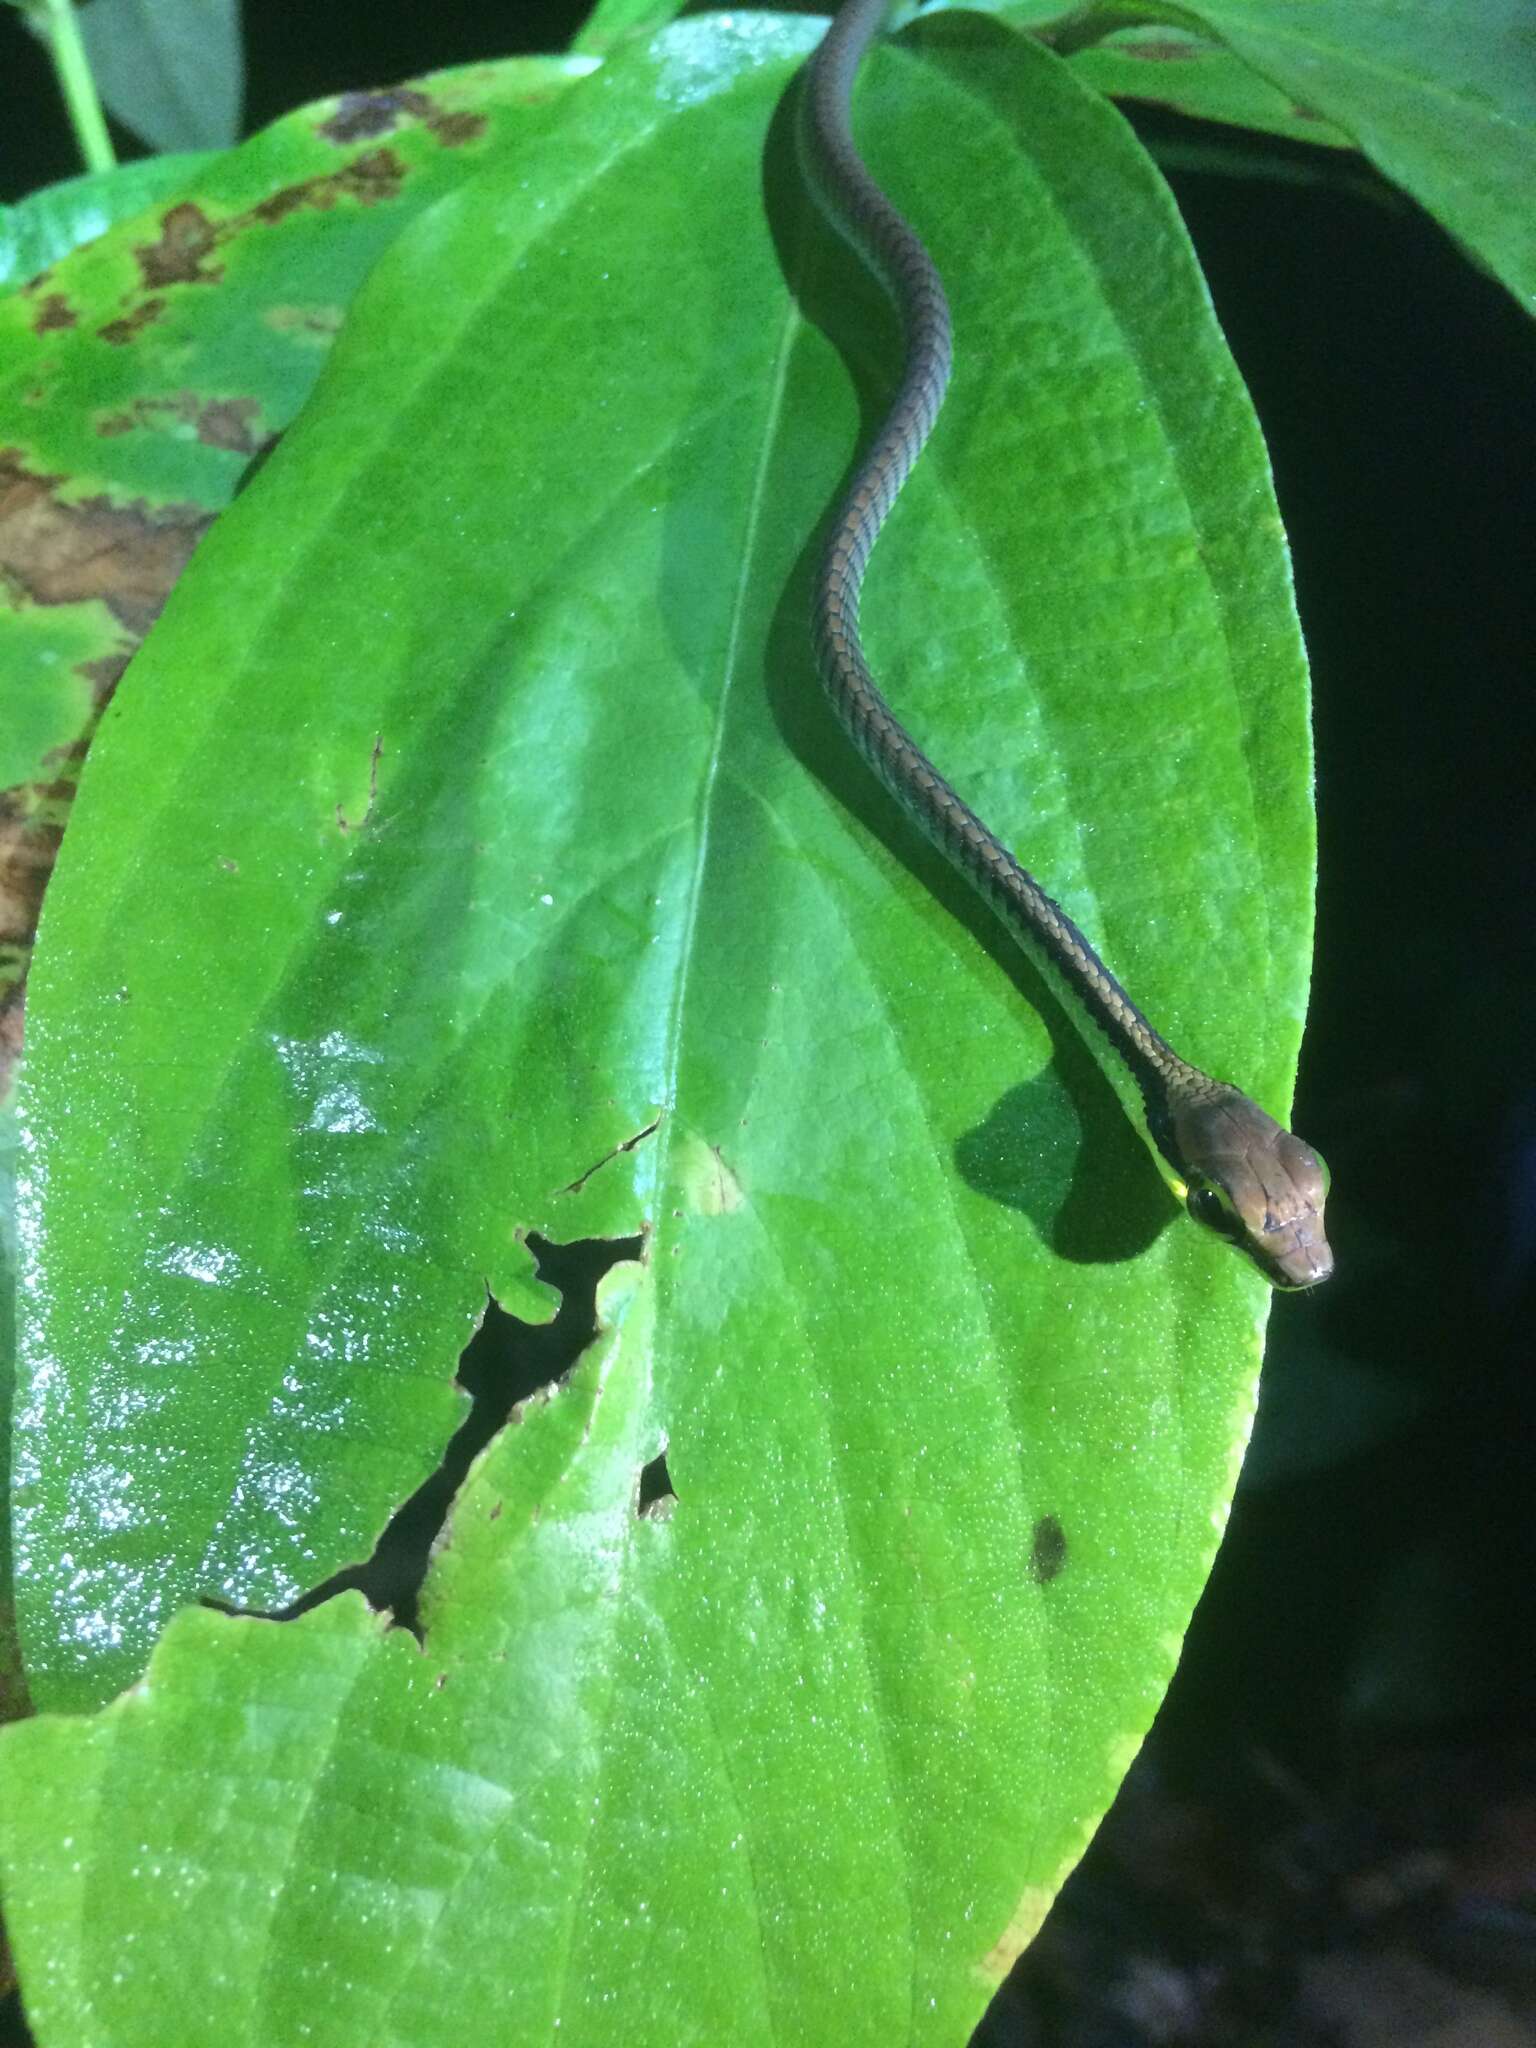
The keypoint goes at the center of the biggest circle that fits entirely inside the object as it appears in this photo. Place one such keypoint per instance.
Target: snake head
(1247, 1178)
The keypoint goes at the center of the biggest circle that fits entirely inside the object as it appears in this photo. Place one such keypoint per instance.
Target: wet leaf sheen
(470, 809)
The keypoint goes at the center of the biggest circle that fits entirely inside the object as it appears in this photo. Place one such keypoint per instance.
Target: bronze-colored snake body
(1233, 1166)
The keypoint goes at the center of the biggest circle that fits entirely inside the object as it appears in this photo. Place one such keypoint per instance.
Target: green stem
(77, 85)
(1092, 24)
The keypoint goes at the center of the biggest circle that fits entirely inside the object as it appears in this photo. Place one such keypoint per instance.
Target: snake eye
(1206, 1205)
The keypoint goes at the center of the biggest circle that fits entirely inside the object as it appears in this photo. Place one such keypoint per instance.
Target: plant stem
(1091, 24)
(77, 85)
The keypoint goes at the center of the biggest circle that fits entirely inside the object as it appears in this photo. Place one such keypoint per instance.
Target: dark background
(1331, 1836)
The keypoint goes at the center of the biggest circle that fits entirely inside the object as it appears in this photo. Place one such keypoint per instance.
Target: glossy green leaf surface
(142, 375)
(469, 853)
(138, 379)
(1441, 99)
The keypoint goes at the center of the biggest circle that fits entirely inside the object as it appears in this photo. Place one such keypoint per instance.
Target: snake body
(1233, 1166)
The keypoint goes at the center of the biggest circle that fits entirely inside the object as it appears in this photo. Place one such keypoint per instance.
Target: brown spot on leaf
(31, 826)
(180, 256)
(119, 332)
(217, 422)
(32, 818)
(127, 556)
(369, 179)
(55, 312)
(1048, 1550)
(360, 116)
(372, 178)
(226, 423)
(454, 130)
(189, 236)
(1169, 52)
(279, 204)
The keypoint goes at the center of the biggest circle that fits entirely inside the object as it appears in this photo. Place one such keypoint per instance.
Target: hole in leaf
(504, 1362)
(655, 1498)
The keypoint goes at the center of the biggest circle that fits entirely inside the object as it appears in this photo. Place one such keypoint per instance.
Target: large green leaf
(468, 854)
(1441, 99)
(143, 373)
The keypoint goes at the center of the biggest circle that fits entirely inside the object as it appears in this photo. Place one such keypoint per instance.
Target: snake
(1232, 1166)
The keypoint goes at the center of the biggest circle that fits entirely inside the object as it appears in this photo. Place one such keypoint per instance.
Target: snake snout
(1297, 1253)
(1306, 1262)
